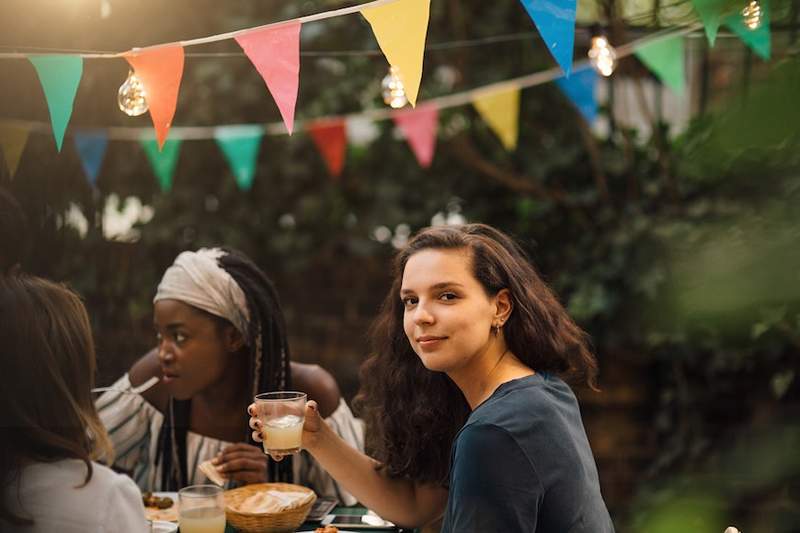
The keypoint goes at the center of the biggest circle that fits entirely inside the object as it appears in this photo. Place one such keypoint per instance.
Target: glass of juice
(201, 509)
(282, 415)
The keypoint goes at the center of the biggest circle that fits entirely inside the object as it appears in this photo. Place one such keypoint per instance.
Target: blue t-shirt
(522, 463)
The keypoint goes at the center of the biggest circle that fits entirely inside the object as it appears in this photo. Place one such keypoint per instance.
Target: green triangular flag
(711, 13)
(163, 162)
(665, 59)
(758, 38)
(240, 145)
(59, 76)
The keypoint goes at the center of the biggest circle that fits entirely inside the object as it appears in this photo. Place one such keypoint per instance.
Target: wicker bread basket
(288, 520)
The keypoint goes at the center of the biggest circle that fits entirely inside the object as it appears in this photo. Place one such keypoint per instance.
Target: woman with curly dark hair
(466, 409)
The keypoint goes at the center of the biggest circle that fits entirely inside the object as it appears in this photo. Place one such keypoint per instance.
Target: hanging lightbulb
(752, 15)
(394, 94)
(132, 97)
(602, 56)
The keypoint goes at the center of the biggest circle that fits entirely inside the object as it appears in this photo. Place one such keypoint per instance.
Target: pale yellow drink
(283, 435)
(281, 414)
(202, 520)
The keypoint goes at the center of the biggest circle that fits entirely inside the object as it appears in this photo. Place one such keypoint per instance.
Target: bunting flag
(12, 140)
(419, 127)
(162, 159)
(580, 88)
(240, 144)
(60, 76)
(758, 38)
(555, 20)
(500, 109)
(275, 52)
(91, 147)
(665, 59)
(160, 70)
(710, 12)
(400, 29)
(330, 136)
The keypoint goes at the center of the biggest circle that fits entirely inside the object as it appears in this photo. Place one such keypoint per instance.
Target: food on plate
(327, 529)
(160, 502)
(211, 472)
(159, 507)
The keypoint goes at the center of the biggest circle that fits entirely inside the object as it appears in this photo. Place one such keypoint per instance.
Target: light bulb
(752, 15)
(602, 56)
(394, 94)
(132, 97)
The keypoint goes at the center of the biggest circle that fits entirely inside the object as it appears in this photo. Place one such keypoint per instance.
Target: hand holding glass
(201, 509)
(281, 415)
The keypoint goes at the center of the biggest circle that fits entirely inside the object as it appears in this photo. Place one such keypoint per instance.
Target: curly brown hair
(412, 413)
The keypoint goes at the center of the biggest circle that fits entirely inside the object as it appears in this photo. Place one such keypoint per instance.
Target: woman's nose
(165, 354)
(422, 315)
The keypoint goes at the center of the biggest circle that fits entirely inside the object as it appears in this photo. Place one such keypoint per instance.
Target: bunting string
(125, 133)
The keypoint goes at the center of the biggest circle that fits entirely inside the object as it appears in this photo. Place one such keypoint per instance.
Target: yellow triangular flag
(13, 139)
(500, 110)
(400, 28)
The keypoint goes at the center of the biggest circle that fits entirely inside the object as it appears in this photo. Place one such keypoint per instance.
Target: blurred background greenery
(676, 248)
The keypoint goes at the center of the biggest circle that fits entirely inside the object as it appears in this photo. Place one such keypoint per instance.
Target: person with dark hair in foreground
(465, 403)
(221, 340)
(50, 434)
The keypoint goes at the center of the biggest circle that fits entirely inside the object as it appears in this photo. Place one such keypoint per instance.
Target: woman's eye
(180, 337)
(158, 337)
(409, 301)
(448, 296)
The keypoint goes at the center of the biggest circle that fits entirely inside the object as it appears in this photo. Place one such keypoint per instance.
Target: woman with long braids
(466, 409)
(221, 340)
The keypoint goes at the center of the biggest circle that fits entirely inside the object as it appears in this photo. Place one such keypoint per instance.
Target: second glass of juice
(282, 415)
(201, 509)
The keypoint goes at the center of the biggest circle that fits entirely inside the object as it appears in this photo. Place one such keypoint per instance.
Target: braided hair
(269, 369)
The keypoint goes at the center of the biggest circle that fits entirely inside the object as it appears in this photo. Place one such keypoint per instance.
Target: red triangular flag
(275, 52)
(160, 70)
(419, 127)
(331, 140)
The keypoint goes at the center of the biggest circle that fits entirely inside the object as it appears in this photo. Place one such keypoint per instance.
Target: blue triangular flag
(92, 148)
(555, 20)
(60, 76)
(580, 88)
(240, 145)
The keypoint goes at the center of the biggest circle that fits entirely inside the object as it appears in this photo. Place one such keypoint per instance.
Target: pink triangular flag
(331, 140)
(275, 52)
(419, 126)
(160, 70)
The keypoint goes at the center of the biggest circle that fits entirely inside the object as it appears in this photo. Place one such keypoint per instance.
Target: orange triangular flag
(275, 52)
(331, 140)
(160, 70)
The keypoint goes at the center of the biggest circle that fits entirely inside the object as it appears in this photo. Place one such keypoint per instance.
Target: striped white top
(133, 425)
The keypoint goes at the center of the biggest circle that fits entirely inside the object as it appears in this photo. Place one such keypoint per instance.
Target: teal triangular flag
(757, 38)
(240, 145)
(665, 59)
(711, 13)
(163, 162)
(59, 76)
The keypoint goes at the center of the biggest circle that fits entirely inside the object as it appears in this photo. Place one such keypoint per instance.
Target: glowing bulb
(752, 15)
(394, 94)
(132, 97)
(602, 56)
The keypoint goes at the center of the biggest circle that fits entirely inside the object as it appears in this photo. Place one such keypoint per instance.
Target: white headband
(197, 279)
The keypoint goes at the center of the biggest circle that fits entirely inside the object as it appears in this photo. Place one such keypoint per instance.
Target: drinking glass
(282, 415)
(201, 509)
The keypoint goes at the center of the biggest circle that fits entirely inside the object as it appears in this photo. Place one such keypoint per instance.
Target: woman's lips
(430, 342)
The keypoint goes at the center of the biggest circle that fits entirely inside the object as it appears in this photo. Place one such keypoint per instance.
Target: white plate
(170, 514)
